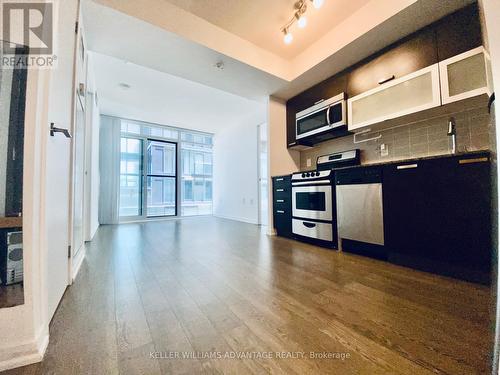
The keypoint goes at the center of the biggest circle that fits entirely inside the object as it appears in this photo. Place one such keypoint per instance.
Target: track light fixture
(299, 16)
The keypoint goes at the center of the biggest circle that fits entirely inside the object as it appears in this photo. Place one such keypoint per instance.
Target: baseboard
(235, 218)
(25, 353)
(77, 262)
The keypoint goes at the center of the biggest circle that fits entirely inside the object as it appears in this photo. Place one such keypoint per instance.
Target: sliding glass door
(161, 178)
(149, 191)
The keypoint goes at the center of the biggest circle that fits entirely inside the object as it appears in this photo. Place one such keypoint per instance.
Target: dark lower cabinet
(282, 205)
(437, 215)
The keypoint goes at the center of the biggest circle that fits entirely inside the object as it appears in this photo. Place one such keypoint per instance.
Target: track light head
(288, 38)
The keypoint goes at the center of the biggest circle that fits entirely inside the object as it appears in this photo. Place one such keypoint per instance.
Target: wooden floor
(219, 288)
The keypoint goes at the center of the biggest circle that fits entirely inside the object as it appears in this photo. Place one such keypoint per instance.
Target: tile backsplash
(423, 138)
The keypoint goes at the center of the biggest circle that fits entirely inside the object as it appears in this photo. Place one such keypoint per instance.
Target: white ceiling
(168, 100)
(260, 21)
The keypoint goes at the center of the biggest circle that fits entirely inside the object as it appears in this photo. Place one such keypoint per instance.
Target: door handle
(472, 161)
(54, 130)
(308, 225)
(408, 166)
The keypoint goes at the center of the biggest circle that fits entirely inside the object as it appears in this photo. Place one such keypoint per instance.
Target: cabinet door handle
(280, 190)
(385, 80)
(280, 179)
(280, 201)
(308, 225)
(280, 211)
(408, 166)
(472, 161)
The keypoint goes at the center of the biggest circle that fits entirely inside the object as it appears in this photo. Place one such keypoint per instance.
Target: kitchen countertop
(415, 159)
(410, 160)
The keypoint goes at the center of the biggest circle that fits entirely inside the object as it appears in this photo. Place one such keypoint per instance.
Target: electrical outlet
(308, 162)
(384, 150)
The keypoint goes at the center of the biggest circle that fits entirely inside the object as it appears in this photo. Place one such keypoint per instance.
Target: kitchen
(397, 153)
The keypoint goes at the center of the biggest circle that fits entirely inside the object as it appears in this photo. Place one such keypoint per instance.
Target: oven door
(312, 202)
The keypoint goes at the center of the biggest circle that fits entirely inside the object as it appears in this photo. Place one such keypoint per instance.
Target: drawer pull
(280, 179)
(280, 190)
(471, 161)
(280, 211)
(280, 201)
(308, 225)
(408, 166)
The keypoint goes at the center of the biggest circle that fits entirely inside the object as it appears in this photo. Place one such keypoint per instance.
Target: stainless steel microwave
(321, 117)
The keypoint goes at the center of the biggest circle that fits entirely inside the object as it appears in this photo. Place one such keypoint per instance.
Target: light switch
(308, 162)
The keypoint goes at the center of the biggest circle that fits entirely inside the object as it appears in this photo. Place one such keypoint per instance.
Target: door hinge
(69, 252)
(76, 27)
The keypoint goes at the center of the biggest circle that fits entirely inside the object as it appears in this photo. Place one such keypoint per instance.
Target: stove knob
(303, 175)
(317, 173)
(308, 174)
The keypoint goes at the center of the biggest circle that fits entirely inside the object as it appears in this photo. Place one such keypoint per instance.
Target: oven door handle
(328, 115)
(308, 225)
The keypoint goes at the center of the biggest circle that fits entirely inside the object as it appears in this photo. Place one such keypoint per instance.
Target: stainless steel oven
(312, 205)
(321, 117)
(312, 202)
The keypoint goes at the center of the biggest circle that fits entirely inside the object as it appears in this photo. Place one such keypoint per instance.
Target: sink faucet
(452, 132)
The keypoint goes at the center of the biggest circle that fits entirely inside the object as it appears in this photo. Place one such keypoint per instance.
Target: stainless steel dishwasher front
(360, 213)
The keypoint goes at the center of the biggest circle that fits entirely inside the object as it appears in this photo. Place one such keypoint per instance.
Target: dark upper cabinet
(458, 32)
(322, 91)
(437, 215)
(290, 126)
(407, 56)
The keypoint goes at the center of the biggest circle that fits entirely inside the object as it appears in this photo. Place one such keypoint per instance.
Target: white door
(58, 158)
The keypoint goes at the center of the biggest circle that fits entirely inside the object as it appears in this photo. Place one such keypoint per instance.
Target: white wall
(91, 154)
(236, 188)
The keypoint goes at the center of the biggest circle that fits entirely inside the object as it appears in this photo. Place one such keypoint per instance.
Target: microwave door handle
(328, 115)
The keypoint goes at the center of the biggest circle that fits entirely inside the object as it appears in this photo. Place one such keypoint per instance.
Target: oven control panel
(311, 175)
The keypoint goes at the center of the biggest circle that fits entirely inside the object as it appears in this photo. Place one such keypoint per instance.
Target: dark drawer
(281, 182)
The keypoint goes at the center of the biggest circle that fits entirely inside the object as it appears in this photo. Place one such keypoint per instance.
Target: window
(196, 161)
(195, 170)
(130, 177)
